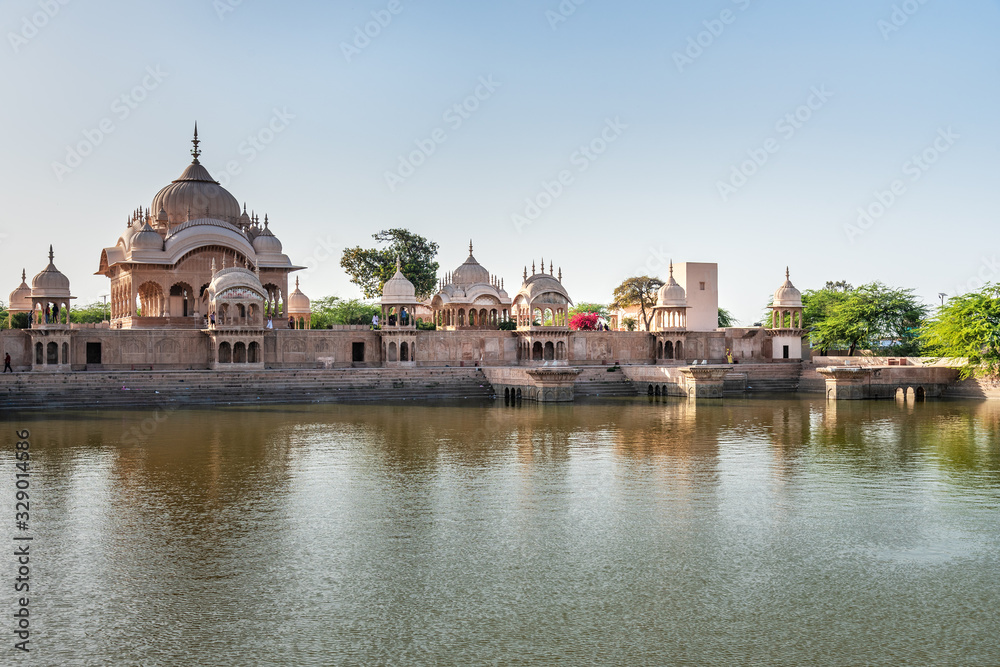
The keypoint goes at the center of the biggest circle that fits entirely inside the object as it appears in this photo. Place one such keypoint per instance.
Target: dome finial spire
(195, 152)
(51, 254)
(470, 247)
(24, 276)
(296, 282)
(787, 275)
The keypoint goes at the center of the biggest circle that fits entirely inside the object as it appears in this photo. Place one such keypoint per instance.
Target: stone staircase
(763, 378)
(598, 381)
(144, 388)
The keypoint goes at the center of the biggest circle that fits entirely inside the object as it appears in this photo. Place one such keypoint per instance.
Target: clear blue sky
(887, 94)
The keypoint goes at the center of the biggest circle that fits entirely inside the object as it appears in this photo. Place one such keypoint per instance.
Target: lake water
(782, 531)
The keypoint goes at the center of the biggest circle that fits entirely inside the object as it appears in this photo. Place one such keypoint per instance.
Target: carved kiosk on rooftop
(670, 320)
(50, 320)
(236, 326)
(470, 298)
(542, 311)
(398, 325)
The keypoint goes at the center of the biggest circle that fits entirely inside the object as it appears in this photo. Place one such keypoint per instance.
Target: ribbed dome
(266, 242)
(470, 272)
(235, 276)
(298, 303)
(20, 298)
(50, 282)
(671, 295)
(787, 296)
(147, 239)
(398, 290)
(130, 231)
(197, 193)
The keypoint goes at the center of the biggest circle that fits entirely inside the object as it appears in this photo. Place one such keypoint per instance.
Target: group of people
(49, 315)
(404, 319)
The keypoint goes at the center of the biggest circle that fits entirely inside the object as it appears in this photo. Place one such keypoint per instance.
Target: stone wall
(181, 349)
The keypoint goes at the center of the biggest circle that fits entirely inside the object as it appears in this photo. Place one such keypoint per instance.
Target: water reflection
(628, 531)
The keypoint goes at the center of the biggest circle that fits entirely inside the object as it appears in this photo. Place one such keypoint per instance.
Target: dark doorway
(784, 351)
(358, 352)
(93, 353)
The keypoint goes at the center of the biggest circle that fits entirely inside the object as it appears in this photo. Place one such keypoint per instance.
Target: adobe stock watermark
(32, 24)
(582, 158)
(137, 435)
(899, 17)
(989, 271)
(914, 168)
(223, 7)
(121, 108)
(364, 34)
(786, 127)
(256, 143)
(454, 116)
(656, 261)
(562, 13)
(714, 29)
(324, 250)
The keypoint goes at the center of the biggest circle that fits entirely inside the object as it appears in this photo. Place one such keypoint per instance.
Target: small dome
(297, 301)
(398, 290)
(470, 272)
(671, 295)
(147, 239)
(20, 298)
(51, 281)
(236, 278)
(265, 242)
(543, 288)
(787, 296)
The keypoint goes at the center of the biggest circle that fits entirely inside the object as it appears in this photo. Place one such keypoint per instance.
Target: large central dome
(195, 194)
(470, 272)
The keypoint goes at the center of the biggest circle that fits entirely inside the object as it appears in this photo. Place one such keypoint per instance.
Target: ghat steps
(143, 388)
(603, 381)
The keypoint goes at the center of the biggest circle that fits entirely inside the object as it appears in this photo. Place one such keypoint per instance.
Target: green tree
(638, 291)
(630, 323)
(370, 268)
(869, 317)
(726, 319)
(91, 313)
(599, 308)
(968, 326)
(331, 310)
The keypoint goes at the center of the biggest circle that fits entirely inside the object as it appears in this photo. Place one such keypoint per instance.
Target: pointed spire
(265, 221)
(24, 276)
(671, 268)
(397, 267)
(51, 254)
(560, 274)
(296, 282)
(213, 267)
(550, 267)
(534, 269)
(195, 152)
(223, 260)
(501, 283)
(526, 271)
(470, 247)
(787, 275)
